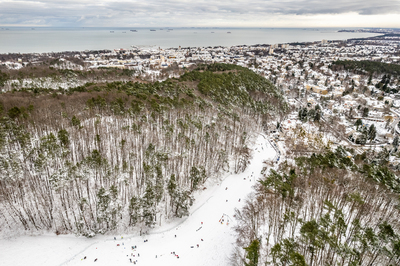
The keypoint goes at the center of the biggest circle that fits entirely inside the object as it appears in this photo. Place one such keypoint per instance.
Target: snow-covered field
(210, 226)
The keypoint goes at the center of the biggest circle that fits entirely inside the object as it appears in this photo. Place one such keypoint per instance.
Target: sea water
(46, 39)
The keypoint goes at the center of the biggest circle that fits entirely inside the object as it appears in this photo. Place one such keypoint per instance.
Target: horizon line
(191, 27)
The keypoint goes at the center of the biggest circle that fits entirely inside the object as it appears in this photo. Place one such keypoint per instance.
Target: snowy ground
(210, 226)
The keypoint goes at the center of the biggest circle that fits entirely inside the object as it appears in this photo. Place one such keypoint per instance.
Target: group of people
(133, 249)
(176, 255)
(222, 219)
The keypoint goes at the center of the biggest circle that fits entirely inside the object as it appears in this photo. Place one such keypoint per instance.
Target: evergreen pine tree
(134, 211)
(252, 253)
(358, 123)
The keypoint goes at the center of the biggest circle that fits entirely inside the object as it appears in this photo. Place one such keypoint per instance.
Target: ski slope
(210, 225)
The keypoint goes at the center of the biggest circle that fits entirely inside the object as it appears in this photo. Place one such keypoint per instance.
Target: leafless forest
(124, 156)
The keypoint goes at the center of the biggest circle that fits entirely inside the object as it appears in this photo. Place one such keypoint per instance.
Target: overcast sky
(202, 13)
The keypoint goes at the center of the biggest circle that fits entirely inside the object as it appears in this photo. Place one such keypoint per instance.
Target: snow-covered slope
(204, 227)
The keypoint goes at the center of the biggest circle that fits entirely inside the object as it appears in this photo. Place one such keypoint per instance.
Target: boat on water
(133, 30)
(152, 30)
(111, 31)
(229, 32)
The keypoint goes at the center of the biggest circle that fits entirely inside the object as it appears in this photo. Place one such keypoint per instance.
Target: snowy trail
(203, 227)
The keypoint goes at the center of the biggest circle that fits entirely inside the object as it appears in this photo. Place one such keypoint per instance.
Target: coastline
(48, 40)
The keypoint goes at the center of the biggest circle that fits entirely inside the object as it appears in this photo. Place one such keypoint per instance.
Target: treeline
(366, 67)
(321, 210)
(33, 77)
(122, 155)
(45, 57)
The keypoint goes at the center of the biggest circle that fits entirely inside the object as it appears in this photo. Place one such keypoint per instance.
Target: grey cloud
(74, 12)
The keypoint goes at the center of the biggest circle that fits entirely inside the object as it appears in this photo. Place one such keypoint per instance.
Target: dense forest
(325, 209)
(124, 156)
